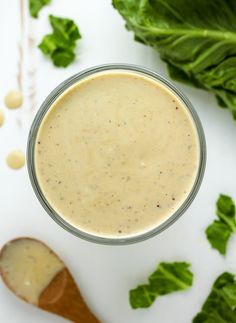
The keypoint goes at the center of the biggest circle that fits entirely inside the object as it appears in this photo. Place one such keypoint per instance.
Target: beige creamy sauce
(117, 154)
(28, 267)
(13, 99)
(15, 159)
(1, 118)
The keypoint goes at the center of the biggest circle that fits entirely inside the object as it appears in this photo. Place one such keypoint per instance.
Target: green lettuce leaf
(219, 232)
(61, 44)
(36, 5)
(218, 235)
(65, 29)
(197, 40)
(225, 209)
(220, 304)
(167, 278)
(62, 58)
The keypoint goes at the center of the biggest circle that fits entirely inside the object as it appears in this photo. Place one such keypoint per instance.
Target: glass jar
(31, 148)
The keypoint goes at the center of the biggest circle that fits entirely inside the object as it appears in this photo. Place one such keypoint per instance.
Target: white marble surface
(105, 274)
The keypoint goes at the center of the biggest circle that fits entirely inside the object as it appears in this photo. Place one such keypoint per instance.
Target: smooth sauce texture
(2, 118)
(14, 99)
(28, 267)
(15, 159)
(117, 154)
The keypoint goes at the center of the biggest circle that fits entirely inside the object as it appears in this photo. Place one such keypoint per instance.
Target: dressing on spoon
(33, 272)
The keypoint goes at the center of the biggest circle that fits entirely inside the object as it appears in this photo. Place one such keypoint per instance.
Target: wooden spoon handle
(63, 298)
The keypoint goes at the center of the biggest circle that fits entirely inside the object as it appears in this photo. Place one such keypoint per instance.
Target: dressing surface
(117, 154)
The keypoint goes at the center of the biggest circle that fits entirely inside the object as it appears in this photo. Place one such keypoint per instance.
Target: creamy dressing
(15, 159)
(2, 118)
(117, 154)
(13, 99)
(28, 266)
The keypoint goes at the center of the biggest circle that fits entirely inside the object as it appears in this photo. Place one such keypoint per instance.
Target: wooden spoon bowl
(33, 272)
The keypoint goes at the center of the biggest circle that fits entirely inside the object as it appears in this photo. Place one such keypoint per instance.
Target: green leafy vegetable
(197, 39)
(220, 305)
(36, 5)
(61, 44)
(219, 232)
(218, 235)
(167, 278)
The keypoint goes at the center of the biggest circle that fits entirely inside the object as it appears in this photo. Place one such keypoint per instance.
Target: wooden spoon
(37, 275)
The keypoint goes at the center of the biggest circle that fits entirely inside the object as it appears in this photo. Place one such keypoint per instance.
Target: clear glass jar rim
(31, 147)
